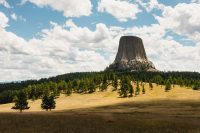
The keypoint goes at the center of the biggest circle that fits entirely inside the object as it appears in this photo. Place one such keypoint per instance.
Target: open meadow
(155, 111)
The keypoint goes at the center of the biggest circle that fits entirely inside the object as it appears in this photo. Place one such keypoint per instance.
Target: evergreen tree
(48, 102)
(80, 87)
(105, 78)
(21, 102)
(68, 91)
(167, 86)
(196, 87)
(143, 89)
(92, 87)
(137, 89)
(75, 84)
(104, 86)
(124, 90)
(52, 103)
(126, 87)
(62, 85)
(115, 83)
(83, 86)
(158, 79)
(112, 76)
(131, 91)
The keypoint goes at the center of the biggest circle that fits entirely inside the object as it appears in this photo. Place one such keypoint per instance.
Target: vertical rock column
(131, 55)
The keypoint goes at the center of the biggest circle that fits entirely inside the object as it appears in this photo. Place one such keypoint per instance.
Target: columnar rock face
(131, 56)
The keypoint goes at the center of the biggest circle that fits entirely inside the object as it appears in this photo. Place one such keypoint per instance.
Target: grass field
(157, 111)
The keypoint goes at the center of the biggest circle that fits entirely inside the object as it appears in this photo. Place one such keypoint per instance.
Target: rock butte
(131, 56)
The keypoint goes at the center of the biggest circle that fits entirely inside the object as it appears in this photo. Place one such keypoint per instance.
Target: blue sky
(38, 18)
(169, 31)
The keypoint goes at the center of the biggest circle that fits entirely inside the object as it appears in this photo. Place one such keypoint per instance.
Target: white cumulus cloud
(61, 49)
(120, 9)
(166, 53)
(70, 8)
(182, 19)
(149, 5)
(72, 48)
(3, 20)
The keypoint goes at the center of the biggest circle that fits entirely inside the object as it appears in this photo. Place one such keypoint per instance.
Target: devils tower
(131, 56)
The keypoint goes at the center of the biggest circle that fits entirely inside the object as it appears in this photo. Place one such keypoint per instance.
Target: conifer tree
(92, 87)
(137, 89)
(68, 91)
(196, 86)
(124, 90)
(21, 102)
(131, 91)
(62, 85)
(104, 83)
(143, 89)
(167, 86)
(115, 83)
(48, 102)
(104, 86)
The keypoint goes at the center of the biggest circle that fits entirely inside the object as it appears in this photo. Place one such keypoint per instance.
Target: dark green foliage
(131, 91)
(143, 89)
(103, 86)
(167, 85)
(115, 83)
(124, 90)
(21, 102)
(62, 85)
(137, 91)
(54, 88)
(75, 84)
(82, 86)
(196, 86)
(92, 87)
(125, 87)
(157, 79)
(48, 102)
(81, 82)
(68, 91)
(7, 96)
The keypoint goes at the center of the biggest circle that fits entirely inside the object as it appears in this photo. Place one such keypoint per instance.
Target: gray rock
(131, 56)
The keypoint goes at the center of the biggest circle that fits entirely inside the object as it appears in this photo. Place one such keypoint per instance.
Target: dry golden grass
(157, 111)
(109, 97)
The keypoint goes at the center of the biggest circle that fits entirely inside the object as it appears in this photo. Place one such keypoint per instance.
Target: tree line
(91, 81)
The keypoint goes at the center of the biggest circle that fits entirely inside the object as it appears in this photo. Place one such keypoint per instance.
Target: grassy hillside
(156, 111)
(109, 97)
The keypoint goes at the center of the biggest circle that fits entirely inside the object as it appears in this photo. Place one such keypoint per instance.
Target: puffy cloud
(5, 3)
(183, 19)
(3, 20)
(70, 8)
(151, 4)
(61, 49)
(120, 9)
(71, 48)
(82, 37)
(165, 52)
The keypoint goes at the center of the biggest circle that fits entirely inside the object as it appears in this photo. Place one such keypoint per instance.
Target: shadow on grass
(134, 117)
